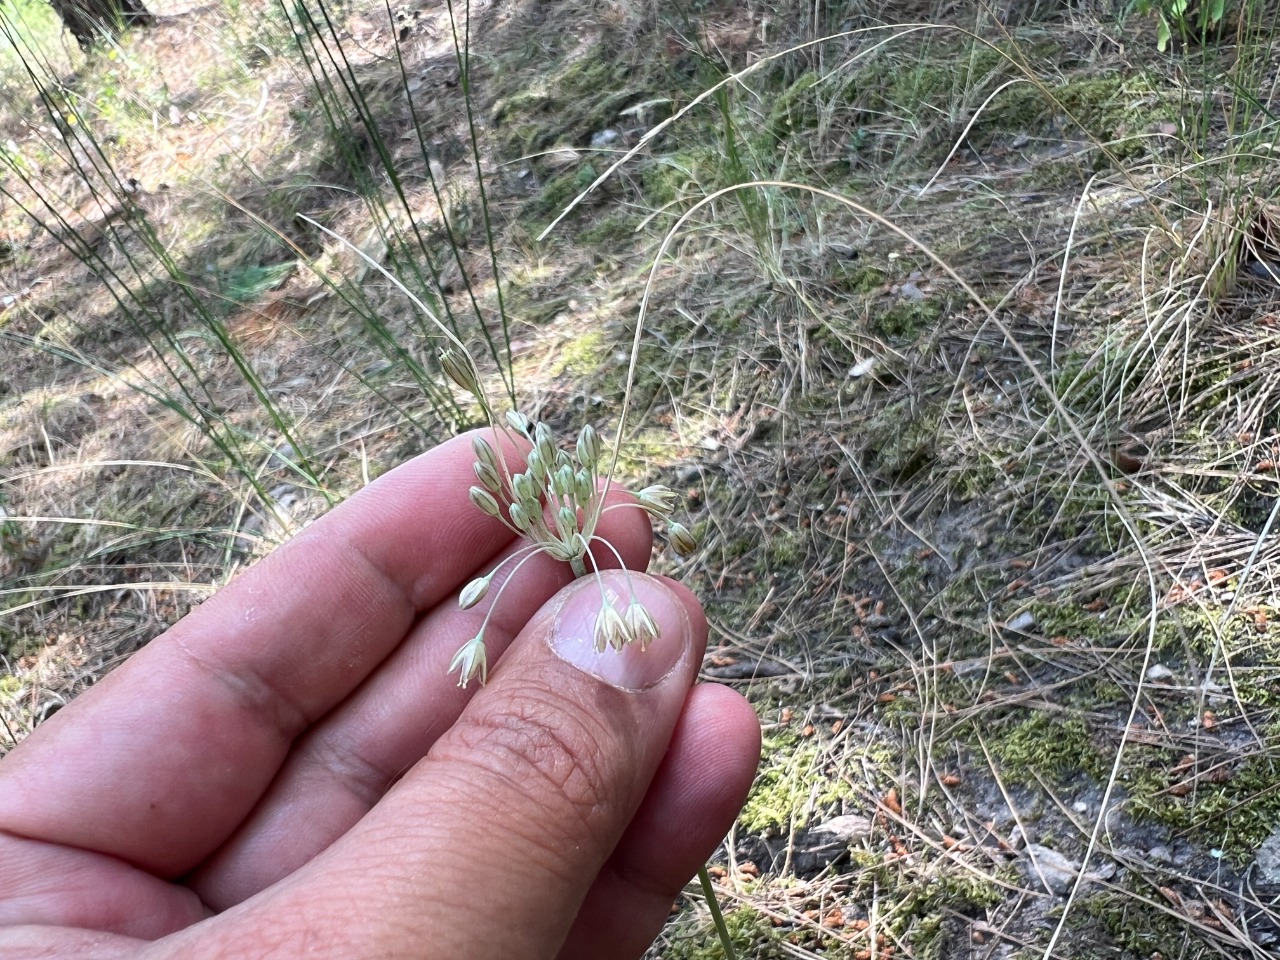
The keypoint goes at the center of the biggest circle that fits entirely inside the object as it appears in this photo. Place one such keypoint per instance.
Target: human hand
(290, 769)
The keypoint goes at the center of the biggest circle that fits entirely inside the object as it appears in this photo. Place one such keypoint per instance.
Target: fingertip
(690, 806)
(709, 767)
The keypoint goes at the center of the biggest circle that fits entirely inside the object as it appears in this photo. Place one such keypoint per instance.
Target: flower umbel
(555, 503)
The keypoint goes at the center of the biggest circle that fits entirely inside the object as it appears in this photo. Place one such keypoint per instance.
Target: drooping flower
(640, 623)
(471, 661)
(610, 629)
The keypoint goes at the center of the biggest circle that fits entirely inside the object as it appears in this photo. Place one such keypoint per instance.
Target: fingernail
(631, 668)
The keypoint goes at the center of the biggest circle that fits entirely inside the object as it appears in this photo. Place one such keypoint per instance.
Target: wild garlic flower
(471, 661)
(556, 504)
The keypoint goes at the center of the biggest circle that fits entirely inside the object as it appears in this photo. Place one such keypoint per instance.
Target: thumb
(488, 847)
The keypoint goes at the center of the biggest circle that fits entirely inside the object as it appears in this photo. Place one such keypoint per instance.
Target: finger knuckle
(551, 753)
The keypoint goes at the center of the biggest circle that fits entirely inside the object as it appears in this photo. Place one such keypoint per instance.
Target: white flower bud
(567, 523)
(523, 486)
(461, 371)
(519, 518)
(584, 487)
(589, 447)
(682, 540)
(562, 483)
(488, 476)
(544, 444)
(484, 500)
(536, 467)
(484, 453)
(474, 592)
(519, 422)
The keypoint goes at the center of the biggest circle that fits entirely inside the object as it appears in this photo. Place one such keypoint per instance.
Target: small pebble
(1022, 622)
(1054, 870)
(849, 827)
(863, 367)
(1161, 854)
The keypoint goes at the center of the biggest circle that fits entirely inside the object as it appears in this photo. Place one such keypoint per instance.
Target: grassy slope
(943, 548)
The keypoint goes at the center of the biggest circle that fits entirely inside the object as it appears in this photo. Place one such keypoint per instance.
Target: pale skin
(291, 771)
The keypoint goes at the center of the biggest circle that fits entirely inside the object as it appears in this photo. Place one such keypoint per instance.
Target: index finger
(161, 760)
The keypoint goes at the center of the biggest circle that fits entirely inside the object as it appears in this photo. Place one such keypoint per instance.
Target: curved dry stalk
(1062, 274)
(964, 134)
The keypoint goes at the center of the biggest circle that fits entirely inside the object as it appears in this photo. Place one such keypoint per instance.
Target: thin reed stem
(722, 931)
